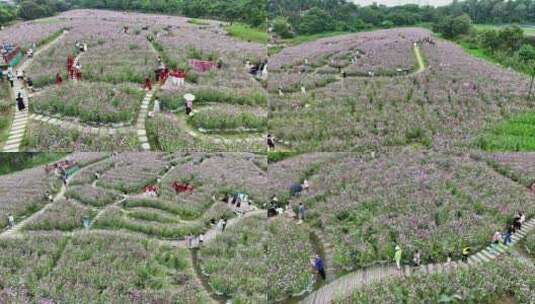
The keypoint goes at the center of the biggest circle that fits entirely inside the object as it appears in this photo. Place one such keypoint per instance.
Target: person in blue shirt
(318, 265)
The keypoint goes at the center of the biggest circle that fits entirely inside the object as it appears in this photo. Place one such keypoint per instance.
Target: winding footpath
(344, 286)
(213, 232)
(20, 121)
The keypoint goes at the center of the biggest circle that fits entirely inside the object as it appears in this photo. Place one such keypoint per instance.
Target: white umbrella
(189, 97)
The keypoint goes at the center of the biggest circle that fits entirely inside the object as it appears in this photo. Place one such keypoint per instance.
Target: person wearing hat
(397, 257)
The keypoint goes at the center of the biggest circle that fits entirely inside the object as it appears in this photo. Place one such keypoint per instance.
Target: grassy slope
(514, 134)
(247, 33)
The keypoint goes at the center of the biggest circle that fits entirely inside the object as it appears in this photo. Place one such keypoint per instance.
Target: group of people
(507, 236)
(19, 75)
(257, 69)
(498, 237)
(62, 169)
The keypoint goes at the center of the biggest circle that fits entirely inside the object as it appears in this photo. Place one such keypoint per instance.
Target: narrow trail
(420, 59)
(344, 286)
(20, 121)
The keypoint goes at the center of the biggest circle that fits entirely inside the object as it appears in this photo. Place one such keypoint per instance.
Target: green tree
(453, 27)
(282, 27)
(30, 10)
(316, 21)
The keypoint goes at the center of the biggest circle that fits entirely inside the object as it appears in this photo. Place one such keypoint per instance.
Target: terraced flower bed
(23, 193)
(93, 196)
(228, 118)
(115, 218)
(44, 137)
(95, 267)
(216, 174)
(93, 103)
(64, 215)
(133, 171)
(29, 32)
(112, 56)
(259, 261)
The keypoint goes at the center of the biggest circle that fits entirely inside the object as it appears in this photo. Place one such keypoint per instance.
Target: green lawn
(529, 30)
(514, 134)
(247, 33)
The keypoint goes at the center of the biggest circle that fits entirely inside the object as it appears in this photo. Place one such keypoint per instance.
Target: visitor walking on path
(507, 239)
(270, 142)
(223, 225)
(148, 85)
(416, 258)
(466, 253)
(20, 102)
(11, 221)
(317, 263)
(496, 238)
(301, 213)
(397, 257)
(10, 76)
(59, 80)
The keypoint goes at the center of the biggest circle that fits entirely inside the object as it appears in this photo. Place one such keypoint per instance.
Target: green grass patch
(476, 51)
(247, 33)
(529, 30)
(514, 134)
(197, 22)
(12, 162)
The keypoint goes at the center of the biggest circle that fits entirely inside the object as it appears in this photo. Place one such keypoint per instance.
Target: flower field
(496, 282)
(95, 267)
(445, 106)
(94, 103)
(23, 193)
(44, 136)
(427, 201)
(430, 201)
(259, 261)
(117, 62)
(65, 215)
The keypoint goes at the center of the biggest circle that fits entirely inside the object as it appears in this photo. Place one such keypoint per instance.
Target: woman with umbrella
(189, 103)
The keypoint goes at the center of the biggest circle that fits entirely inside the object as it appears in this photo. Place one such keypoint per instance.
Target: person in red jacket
(148, 84)
(59, 80)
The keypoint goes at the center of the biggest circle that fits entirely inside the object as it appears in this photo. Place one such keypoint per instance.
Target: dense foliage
(315, 16)
(252, 12)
